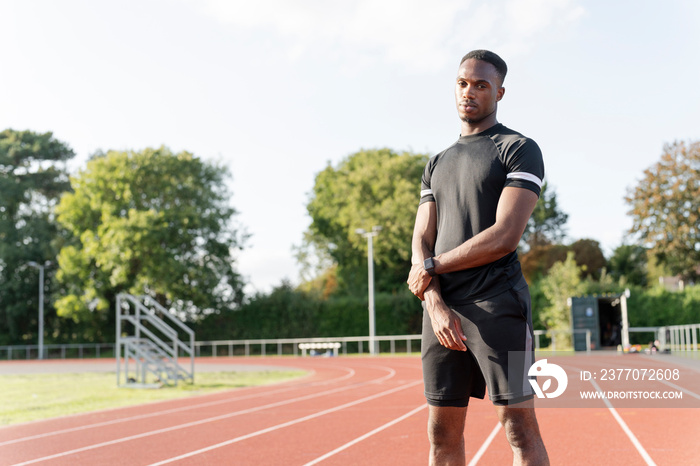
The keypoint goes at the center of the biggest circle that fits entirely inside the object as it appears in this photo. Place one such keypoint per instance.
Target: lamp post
(370, 282)
(41, 304)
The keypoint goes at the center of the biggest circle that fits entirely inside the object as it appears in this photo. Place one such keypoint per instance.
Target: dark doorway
(610, 320)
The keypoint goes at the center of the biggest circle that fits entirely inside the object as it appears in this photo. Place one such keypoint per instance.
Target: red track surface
(349, 411)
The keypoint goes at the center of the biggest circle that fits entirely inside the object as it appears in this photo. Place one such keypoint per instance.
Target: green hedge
(657, 306)
(290, 313)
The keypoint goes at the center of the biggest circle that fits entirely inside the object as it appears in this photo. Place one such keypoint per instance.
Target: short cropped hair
(488, 57)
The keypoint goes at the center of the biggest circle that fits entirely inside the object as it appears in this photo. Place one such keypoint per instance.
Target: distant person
(476, 198)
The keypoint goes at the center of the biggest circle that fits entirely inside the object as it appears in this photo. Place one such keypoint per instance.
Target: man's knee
(520, 425)
(446, 426)
(523, 435)
(441, 435)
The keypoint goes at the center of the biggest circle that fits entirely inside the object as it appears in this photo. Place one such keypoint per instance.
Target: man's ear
(499, 94)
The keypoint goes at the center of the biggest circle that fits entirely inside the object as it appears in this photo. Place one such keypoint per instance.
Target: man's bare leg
(446, 435)
(523, 433)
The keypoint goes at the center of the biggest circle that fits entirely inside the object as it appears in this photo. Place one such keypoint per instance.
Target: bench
(319, 346)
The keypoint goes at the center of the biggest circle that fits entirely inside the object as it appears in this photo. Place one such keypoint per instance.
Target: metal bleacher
(149, 344)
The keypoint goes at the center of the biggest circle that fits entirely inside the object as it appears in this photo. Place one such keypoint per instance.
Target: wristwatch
(429, 266)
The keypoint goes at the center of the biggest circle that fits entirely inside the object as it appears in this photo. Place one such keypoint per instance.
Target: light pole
(370, 281)
(41, 303)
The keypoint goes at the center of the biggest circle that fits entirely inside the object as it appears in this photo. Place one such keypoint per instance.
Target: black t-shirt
(465, 181)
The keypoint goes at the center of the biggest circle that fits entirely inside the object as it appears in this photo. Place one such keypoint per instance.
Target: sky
(275, 90)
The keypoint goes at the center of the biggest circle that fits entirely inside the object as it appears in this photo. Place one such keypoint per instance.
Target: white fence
(290, 346)
(680, 337)
(675, 338)
(255, 347)
(64, 351)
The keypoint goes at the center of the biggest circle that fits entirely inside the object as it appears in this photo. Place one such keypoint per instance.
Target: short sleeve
(426, 191)
(525, 167)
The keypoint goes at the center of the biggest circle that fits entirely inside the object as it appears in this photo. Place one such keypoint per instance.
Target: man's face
(477, 91)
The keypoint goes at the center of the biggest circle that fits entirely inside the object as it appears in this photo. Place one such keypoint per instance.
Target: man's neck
(469, 129)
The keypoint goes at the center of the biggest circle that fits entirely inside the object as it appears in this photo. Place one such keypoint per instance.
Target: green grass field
(30, 397)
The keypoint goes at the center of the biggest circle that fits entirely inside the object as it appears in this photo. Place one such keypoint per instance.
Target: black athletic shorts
(499, 353)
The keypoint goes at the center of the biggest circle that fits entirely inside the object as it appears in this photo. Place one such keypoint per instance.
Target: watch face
(429, 266)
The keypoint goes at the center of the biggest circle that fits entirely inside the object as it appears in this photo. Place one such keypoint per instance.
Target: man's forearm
(433, 295)
(502, 238)
(424, 234)
(422, 246)
(484, 248)
(421, 251)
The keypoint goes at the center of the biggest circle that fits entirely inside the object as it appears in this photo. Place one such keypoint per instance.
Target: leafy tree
(537, 261)
(587, 254)
(665, 210)
(546, 224)
(589, 257)
(32, 178)
(149, 222)
(562, 282)
(368, 188)
(656, 270)
(539, 246)
(628, 264)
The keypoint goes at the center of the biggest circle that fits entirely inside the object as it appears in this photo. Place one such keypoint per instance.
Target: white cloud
(413, 33)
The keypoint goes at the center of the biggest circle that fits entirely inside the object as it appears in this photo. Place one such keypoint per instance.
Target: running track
(350, 411)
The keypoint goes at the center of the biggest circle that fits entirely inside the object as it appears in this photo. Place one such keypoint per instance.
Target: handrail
(182, 326)
(165, 328)
(167, 313)
(162, 326)
(164, 346)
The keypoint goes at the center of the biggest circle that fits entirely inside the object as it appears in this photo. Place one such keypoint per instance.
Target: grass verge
(29, 397)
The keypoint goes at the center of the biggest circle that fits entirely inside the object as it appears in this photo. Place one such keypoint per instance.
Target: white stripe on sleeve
(426, 192)
(525, 176)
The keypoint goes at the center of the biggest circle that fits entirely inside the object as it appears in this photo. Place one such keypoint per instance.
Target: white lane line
(626, 429)
(201, 421)
(351, 372)
(678, 387)
(367, 435)
(289, 423)
(485, 445)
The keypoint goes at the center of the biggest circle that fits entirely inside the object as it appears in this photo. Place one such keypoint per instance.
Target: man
(476, 199)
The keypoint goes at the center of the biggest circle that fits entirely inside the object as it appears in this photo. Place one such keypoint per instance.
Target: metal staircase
(148, 346)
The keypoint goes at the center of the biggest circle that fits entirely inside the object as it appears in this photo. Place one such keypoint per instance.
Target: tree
(149, 222)
(629, 264)
(546, 224)
(32, 178)
(664, 208)
(589, 257)
(539, 246)
(537, 261)
(562, 282)
(368, 188)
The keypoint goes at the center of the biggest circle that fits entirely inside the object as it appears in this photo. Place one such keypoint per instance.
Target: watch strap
(429, 266)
